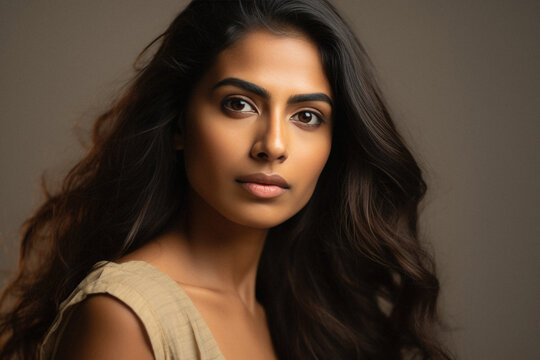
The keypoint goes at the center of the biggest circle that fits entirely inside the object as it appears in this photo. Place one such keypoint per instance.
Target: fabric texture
(175, 327)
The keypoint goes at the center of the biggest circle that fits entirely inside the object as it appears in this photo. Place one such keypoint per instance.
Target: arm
(103, 327)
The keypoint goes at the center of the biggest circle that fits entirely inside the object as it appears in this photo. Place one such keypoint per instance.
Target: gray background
(461, 78)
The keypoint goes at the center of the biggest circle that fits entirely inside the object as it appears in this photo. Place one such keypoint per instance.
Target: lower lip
(262, 190)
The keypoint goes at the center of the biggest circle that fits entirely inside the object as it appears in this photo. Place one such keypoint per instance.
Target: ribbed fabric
(175, 327)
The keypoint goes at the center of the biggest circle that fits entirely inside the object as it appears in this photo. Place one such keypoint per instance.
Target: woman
(247, 197)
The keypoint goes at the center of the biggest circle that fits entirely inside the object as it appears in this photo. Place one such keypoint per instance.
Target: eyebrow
(262, 92)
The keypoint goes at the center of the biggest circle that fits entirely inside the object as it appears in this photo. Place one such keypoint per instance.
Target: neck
(221, 255)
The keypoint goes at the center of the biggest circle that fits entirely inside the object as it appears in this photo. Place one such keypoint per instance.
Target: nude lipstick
(263, 185)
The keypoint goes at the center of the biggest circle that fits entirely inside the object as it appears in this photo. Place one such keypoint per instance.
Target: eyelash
(226, 104)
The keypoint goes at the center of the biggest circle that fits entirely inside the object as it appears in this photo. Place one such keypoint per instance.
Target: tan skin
(230, 130)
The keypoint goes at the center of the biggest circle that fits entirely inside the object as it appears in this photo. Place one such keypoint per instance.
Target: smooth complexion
(255, 138)
(263, 108)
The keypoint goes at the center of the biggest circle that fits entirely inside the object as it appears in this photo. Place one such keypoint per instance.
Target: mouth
(263, 185)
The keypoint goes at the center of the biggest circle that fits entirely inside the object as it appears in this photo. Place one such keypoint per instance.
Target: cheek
(311, 161)
(204, 148)
(211, 148)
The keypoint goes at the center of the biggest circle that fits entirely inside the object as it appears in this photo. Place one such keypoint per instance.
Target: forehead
(277, 62)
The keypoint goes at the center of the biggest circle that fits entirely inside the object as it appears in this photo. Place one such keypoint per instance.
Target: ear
(179, 133)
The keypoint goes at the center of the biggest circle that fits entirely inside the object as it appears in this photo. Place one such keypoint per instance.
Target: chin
(258, 221)
(259, 216)
(262, 214)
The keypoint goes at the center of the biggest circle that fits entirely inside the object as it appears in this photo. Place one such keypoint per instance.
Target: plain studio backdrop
(462, 81)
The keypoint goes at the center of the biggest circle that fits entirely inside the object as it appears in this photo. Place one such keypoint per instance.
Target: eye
(238, 104)
(308, 118)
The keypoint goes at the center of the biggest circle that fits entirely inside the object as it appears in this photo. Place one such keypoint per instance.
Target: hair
(345, 278)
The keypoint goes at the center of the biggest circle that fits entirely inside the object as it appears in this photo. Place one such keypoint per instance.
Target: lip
(264, 179)
(265, 186)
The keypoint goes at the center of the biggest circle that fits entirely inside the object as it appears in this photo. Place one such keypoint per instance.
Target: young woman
(247, 197)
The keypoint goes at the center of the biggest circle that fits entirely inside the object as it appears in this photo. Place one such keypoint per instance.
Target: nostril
(262, 155)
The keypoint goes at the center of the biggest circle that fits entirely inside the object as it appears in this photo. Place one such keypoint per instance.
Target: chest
(239, 333)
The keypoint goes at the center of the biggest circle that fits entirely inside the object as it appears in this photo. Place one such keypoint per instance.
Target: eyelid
(240, 97)
(318, 114)
(314, 109)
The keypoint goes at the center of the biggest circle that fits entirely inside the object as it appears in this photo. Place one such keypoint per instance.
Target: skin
(229, 131)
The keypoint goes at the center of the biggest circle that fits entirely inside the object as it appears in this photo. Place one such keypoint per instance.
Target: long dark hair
(345, 278)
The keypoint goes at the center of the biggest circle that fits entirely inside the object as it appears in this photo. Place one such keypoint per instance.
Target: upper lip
(265, 179)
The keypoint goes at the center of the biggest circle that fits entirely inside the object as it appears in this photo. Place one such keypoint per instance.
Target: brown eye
(305, 116)
(308, 118)
(237, 104)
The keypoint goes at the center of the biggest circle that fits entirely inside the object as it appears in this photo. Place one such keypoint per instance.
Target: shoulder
(102, 327)
(116, 305)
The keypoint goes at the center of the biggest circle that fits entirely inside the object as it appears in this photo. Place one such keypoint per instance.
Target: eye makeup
(237, 105)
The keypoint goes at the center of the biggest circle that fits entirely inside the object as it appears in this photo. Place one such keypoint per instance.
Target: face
(258, 129)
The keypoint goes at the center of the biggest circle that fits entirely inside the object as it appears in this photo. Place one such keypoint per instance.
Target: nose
(271, 142)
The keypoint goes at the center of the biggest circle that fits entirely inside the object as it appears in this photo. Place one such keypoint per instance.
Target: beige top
(175, 327)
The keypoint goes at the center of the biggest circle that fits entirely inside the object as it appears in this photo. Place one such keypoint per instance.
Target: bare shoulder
(167, 252)
(103, 327)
